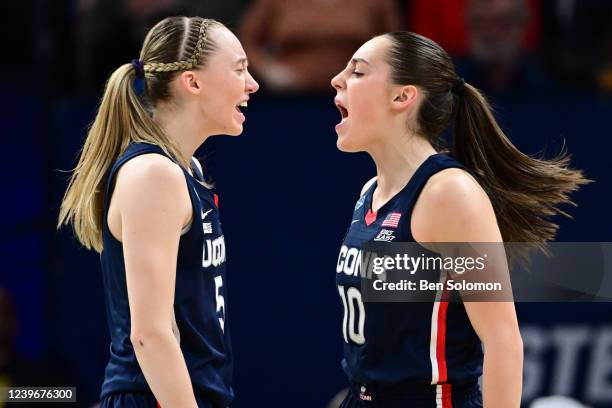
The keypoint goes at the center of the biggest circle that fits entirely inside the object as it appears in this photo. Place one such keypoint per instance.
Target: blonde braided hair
(189, 63)
(124, 117)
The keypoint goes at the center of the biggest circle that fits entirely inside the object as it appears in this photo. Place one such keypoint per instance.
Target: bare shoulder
(367, 185)
(453, 187)
(151, 178)
(151, 169)
(454, 207)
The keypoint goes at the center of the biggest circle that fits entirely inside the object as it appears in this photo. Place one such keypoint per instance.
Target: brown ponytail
(525, 192)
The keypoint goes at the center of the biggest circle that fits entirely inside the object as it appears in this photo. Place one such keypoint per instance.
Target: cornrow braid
(125, 116)
(189, 63)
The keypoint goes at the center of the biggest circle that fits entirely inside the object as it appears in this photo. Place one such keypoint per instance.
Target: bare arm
(453, 208)
(153, 202)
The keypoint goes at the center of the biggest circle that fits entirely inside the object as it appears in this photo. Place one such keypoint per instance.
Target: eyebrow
(356, 60)
(242, 60)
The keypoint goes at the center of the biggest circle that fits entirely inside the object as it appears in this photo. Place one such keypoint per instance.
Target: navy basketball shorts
(139, 400)
(425, 396)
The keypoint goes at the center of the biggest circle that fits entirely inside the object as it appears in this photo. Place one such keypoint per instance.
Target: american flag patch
(392, 220)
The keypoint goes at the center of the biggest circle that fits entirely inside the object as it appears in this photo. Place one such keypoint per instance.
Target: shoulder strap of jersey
(196, 167)
(433, 165)
(361, 202)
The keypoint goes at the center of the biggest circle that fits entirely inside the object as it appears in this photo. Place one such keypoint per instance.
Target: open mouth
(241, 105)
(342, 109)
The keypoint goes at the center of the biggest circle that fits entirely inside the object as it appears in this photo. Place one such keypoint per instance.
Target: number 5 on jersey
(220, 300)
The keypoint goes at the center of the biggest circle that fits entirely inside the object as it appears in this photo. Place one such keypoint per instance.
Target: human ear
(404, 96)
(190, 82)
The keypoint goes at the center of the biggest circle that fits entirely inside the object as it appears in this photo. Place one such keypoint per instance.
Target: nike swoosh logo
(354, 221)
(204, 214)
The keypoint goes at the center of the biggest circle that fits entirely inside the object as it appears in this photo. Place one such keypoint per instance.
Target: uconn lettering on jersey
(352, 261)
(213, 251)
(213, 254)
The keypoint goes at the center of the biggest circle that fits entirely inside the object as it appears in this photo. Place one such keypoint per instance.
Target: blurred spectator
(110, 32)
(298, 46)
(497, 62)
(444, 21)
(441, 20)
(574, 39)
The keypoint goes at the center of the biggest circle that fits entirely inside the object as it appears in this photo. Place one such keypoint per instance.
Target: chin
(236, 127)
(236, 130)
(344, 145)
(233, 129)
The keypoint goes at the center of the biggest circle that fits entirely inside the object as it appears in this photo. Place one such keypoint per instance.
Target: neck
(396, 161)
(183, 126)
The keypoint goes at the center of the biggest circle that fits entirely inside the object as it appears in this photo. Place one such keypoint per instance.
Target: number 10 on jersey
(350, 297)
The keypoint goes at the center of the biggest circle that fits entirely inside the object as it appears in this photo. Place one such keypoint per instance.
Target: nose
(251, 84)
(337, 82)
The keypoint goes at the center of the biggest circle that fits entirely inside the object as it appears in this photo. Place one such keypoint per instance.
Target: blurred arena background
(286, 192)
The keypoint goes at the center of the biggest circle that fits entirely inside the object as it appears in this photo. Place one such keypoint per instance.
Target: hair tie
(138, 84)
(138, 67)
(458, 86)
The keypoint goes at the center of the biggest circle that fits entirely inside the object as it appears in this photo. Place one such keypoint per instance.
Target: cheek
(233, 83)
(223, 91)
(366, 101)
(216, 103)
(230, 92)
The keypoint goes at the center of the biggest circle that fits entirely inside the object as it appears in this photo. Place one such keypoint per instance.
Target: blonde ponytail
(123, 118)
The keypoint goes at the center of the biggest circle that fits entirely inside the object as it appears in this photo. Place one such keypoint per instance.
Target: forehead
(374, 50)
(228, 46)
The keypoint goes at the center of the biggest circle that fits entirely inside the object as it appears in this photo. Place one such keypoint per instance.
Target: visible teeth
(243, 104)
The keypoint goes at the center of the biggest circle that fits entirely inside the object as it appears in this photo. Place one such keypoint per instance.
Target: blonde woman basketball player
(138, 198)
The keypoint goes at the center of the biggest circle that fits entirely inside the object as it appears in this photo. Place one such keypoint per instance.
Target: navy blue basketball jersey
(424, 348)
(199, 297)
